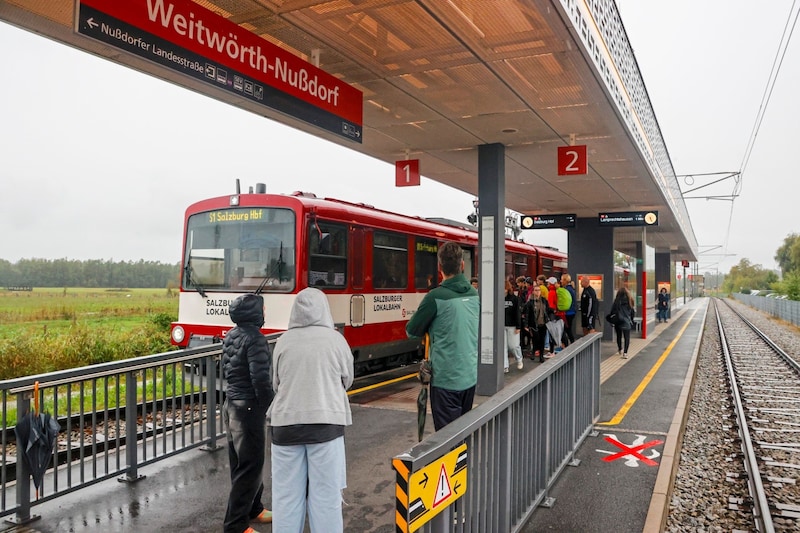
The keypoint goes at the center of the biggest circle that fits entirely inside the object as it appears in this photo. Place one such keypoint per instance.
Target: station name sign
(547, 221)
(629, 218)
(192, 40)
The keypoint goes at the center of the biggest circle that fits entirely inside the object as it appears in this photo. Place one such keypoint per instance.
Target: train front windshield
(240, 250)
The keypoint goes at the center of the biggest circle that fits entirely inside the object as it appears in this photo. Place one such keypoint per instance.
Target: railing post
(131, 431)
(211, 404)
(23, 514)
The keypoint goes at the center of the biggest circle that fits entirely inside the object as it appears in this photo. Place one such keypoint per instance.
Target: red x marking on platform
(634, 451)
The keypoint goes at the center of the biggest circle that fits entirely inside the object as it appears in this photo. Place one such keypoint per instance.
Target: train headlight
(178, 334)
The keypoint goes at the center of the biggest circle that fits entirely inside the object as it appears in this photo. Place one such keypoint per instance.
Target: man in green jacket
(449, 313)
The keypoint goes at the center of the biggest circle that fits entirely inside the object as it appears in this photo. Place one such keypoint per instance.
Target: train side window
(389, 260)
(547, 267)
(426, 263)
(327, 254)
(520, 265)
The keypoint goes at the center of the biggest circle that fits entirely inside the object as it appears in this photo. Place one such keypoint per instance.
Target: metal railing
(517, 444)
(788, 310)
(114, 418)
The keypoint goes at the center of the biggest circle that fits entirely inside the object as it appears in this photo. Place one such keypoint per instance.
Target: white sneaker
(619, 353)
(548, 355)
(624, 356)
(505, 370)
(519, 364)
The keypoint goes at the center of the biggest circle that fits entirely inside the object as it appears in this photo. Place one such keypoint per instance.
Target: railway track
(764, 401)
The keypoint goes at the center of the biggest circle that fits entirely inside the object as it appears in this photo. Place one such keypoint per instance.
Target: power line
(783, 45)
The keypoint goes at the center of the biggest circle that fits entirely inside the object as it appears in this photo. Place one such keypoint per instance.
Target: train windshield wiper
(187, 269)
(268, 276)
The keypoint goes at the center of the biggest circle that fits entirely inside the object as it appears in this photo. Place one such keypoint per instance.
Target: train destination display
(192, 40)
(629, 218)
(547, 221)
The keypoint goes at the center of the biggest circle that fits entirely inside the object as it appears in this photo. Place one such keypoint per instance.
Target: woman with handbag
(624, 309)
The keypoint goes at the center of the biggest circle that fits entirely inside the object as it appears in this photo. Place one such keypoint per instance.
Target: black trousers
(246, 450)
(623, 335)
(568, 328)
(447, 405)
(537, 340)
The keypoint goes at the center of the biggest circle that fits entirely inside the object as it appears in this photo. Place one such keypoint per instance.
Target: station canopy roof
(441, 77)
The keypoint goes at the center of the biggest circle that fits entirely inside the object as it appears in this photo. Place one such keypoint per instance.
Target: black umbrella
(422, 410)
(36, 437)
(422, 399)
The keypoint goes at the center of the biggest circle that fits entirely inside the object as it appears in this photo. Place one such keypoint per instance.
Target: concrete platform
(188, 493)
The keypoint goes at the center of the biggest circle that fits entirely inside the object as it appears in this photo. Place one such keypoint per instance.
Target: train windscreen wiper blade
(187, 269)
(268, 276)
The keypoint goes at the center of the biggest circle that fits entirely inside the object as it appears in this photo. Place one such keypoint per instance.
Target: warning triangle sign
(443, 491)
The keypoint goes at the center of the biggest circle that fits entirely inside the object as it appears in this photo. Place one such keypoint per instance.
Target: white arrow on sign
(92, 23)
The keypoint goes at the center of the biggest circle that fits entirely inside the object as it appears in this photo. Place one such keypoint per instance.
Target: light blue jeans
(512, 345)
(312, 473)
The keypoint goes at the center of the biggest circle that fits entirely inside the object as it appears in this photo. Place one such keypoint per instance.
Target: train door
(470, 268)
(516, 266)
(546, 267)
(357, 300)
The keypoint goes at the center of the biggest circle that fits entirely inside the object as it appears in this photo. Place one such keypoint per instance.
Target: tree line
(745, 276)
(94, 273)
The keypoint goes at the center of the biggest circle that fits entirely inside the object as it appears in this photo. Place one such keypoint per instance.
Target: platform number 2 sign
(572, 160)
(406, 173)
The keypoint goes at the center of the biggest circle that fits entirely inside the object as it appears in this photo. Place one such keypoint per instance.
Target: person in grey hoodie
(312, 368)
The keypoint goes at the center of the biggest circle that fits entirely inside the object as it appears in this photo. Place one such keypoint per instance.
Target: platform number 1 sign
(406, 172)
(572, 160)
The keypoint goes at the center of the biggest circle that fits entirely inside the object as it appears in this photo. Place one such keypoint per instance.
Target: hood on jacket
(247, 309)
(310, 309)
(458, 283)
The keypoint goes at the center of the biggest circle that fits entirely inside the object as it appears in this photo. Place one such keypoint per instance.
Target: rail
(749, 454)
(168, 402)
(516, 445)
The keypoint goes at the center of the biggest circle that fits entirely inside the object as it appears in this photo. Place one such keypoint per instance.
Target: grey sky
(706, 66)
(100, 161)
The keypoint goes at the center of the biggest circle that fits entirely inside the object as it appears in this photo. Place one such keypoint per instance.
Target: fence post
(211, 403)
(23, 514)
(131, 431)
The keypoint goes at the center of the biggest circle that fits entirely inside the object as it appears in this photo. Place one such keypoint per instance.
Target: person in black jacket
(625, 309)
(537, 312)
(247, 367)
(589, 306)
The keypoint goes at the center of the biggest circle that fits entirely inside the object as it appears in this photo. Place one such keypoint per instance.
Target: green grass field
(52, 329)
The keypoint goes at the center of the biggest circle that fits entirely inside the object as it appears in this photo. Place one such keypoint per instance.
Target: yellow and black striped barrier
(422, 494)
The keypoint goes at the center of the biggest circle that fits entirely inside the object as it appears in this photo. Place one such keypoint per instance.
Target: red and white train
(374, 266)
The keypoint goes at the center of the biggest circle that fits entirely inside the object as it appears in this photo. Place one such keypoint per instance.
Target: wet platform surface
(188, 493)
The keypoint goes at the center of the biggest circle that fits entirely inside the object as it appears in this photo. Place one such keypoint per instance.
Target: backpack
(564, 299)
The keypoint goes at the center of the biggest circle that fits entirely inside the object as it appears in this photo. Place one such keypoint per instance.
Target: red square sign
(406, 173)
(572, 160)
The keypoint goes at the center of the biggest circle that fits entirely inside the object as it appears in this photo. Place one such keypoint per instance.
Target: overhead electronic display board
(629, 218)
(547, 221)
(192, 40)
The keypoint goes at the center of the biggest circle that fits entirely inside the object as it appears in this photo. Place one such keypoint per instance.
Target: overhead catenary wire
(777, 63)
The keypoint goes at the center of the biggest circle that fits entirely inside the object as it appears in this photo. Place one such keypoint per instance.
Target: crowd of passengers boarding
(540, 315)
(299, 392)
